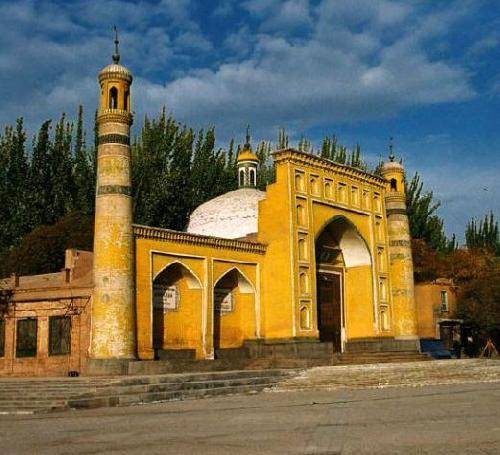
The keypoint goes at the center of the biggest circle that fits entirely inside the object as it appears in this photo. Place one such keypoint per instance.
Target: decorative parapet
(115, 115)
(306, 159)
(168, 235)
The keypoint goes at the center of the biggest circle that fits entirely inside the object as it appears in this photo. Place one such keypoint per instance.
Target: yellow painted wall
(293, 211)
(428, 301)
(359, 303)
(238, 325)
(277, 286)
(208, 264)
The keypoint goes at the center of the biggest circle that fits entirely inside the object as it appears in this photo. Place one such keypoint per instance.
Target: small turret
(401, 262)
(247, 165)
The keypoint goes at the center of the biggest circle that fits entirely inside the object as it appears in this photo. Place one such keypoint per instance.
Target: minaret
(401, 262)
(247, 165)
(113, 312)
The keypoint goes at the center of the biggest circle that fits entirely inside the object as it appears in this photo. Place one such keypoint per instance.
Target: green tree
(42, 250)
(15, 210)
(424, 223)
(483, 235)
(61, 165)
(40, 177)
(83, 182)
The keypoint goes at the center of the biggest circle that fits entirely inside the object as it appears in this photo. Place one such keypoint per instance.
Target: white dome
(232, 215)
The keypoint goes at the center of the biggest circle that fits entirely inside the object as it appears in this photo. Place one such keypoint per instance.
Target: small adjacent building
(436, 303)
(45, 320)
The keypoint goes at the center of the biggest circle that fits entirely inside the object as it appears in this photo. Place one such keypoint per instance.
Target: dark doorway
(330, 308)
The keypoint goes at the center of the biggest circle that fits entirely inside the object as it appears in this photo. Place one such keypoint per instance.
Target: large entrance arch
(338, 248)
(177, 317)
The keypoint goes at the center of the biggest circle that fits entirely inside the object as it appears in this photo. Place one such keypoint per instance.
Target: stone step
(131, 399)
(44, 396)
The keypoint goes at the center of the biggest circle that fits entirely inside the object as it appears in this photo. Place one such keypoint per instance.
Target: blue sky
(425, 72)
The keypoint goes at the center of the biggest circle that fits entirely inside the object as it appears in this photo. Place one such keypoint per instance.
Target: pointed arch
(113, 98)
(187, 273)
(354, 247)
(245, 285)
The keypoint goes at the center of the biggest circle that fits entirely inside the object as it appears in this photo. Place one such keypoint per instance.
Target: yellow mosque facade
(323, 255)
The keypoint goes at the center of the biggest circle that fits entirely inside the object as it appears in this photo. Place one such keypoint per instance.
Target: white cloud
(340, 73)
(349, 61)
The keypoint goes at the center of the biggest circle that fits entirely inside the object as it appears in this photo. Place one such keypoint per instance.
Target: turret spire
(391, 149)
(247, 146)
(116, 55)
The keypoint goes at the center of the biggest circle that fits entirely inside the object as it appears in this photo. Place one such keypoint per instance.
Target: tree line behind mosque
(48, 190)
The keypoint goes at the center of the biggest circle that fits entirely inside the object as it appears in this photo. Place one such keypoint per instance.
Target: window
(444, 301)
(2, 337)
(252, 177)
(242, 177)
(113, 98)
(394, 185)
(26, 340)
(126, 100)
(59, 335)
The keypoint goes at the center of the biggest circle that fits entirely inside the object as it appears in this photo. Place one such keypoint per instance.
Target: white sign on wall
(223, 300)
(165, 298)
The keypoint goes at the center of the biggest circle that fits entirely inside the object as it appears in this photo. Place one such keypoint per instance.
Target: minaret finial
(247, 139)
(116, 55)
(391, 149)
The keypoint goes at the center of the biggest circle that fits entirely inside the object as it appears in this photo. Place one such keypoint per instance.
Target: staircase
(412, 374)
(358, 358)
(30, 395)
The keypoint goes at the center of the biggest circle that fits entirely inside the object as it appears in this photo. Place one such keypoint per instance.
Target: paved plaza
(460, 418)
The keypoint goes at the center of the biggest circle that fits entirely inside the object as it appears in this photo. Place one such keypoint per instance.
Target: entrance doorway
(329, 285)
(339, 248)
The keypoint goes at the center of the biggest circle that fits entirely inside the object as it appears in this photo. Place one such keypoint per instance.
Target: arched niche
(177, 315)
(233, 311)
(113, 98)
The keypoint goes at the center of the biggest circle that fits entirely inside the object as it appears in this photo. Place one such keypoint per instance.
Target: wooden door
(330, 308)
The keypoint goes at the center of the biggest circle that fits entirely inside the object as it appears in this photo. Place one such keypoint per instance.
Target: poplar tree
(16, 205)
(40, 177)
(61, 166)
(424, 223)
(483, 235)
(84, 193)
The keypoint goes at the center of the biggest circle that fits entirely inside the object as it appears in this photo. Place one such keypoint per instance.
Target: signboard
(165, 298)
(223, 300)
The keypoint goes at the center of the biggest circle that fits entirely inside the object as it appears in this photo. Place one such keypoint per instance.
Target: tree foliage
(484, 235)
(42, 250)
(425, 224)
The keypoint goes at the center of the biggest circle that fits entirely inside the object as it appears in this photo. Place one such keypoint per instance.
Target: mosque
(322, 257)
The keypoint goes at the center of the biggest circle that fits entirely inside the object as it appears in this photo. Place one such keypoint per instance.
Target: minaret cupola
(247, 165)
(115, 81)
